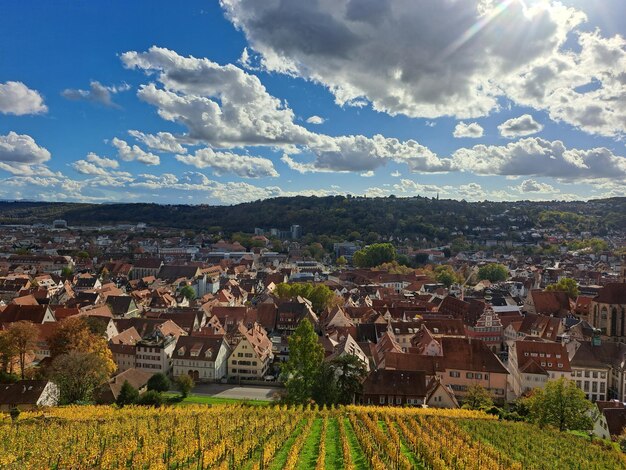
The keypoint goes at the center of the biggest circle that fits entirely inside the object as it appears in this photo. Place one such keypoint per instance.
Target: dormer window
(181, 351)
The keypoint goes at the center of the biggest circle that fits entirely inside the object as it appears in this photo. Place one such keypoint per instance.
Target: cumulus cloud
(97, 93)
(472, 191)
(442, 58)
(102, 162)
(161, 141)
(532, 186)
(20, 154)
(100, 166)
(228, 162)
(16, 98)
(129, 153)
(226, 107)
(535, 156)
(472, 130)
(316, 120)
(519, 127)
(410, 186)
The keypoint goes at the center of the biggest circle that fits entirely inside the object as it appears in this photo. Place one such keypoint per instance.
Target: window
(382, 399)
(469, 375)
(398, 400)
(602, 387)
(595, 374)
(587, 374)
(478, 375)
(454, 373)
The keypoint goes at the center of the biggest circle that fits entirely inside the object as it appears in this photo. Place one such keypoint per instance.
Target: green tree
(325, 386)
(151, 398)
(493, 272)
(341, 261)
(66, 272)
(188, 292)
(320, 295)
(567, 285)
(350, 372)
(374, 255)
(159, 383)
(446, 275)
(184, 384)
(477, 398)
(128, 394)
(560, 404)
(301, 371)
(79, 375)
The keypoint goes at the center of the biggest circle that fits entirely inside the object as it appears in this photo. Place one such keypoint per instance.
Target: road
(248, 392)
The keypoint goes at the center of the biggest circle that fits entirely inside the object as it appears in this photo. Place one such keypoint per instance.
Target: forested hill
(338, 215)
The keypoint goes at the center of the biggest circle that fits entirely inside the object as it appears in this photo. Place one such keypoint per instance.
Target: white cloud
(535, 156)
(532, 186)
(16, 98)
(102, 162)
(161, 141)
(228, 162)
(20, 155)
(225, 107)
(438, 58)
(471, 191)
(128, 153)
(520, 126)
(410, 186)
(316, 120)
(472, 130)
(367, 174)
(97, 93)
(396, 174)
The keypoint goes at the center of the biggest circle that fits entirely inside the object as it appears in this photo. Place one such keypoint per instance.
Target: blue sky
(224, 102)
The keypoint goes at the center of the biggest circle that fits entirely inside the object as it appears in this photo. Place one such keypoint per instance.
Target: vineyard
(236, 437)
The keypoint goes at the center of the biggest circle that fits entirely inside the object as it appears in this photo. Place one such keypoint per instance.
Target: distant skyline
(207, 102)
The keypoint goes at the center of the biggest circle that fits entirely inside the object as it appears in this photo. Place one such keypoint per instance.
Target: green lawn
(207, 400)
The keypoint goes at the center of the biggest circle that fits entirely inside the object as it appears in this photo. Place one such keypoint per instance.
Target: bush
(151, 398)
(128, 394)
(159, 383)
(184, 384)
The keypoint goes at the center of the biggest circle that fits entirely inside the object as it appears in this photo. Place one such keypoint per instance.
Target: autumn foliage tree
(23, 336)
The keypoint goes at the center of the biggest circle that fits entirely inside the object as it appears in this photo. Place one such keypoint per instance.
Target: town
(168, 303)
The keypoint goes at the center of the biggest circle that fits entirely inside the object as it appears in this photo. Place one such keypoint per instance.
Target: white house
(203, 358)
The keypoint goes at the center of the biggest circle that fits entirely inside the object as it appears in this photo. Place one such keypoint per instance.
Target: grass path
(358, 457)
(308, 456)
(281, 456)
(333, 446)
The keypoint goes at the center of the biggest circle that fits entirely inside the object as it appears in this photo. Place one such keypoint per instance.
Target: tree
(567, 285)
(446, 275)
(74, 334)
(325, 387)
(159, 383)
(477, 398)
(560, 404)
(374, 255)
(184, 384)
(188, 292)
(320, 295)
(493, 272)
(7, 352)
(301, 371)
(342, 261)
(128, 394)
(23, 336)
(78, 375)
(350, 372)
(66, 272)
(151, 398)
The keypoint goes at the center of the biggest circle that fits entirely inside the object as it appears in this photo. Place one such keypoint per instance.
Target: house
(533, 361)
(591, 367)
(549, 303)
(252, 356)
(608, 310)
(32, 313)
(145, 267)
(348, 346)
(614, 413)
(122, 306)
(28, 394)
(138, 379)
(203, 358)
(394, 388)
(154, 352)
(439, 395)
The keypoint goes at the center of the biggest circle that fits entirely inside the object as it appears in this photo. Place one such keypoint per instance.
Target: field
(273, 437)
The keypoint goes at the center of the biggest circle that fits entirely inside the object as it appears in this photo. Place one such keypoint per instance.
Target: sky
(222, 102)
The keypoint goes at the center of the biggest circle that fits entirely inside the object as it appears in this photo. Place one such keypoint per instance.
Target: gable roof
(395, 382)
(22, 392)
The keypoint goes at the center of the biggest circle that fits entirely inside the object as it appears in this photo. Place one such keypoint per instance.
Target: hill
(339, 215)
(226, 437)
